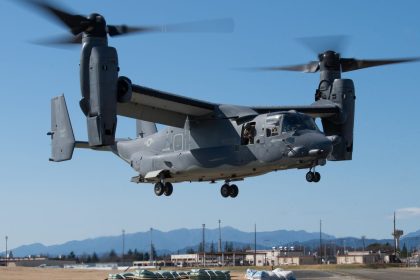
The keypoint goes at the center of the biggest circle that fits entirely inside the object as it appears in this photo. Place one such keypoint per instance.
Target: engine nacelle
(343, 94)
(124, 89)
(101, 107)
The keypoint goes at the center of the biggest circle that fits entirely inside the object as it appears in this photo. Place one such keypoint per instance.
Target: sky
(92, 195)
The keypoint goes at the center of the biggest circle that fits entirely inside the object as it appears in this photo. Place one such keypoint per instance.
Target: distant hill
(171, 241)
(180, 240)
(412, 234)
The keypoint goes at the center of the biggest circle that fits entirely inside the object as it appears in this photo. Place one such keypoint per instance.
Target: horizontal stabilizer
(62, 137)
(145, 128)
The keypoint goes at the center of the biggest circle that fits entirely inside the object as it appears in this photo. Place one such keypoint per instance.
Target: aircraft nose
(320, 148)
(314, 145)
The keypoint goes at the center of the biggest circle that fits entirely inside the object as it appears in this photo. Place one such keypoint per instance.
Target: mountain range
(180, 240)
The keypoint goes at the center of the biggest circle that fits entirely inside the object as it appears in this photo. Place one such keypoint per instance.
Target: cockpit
(288, 122)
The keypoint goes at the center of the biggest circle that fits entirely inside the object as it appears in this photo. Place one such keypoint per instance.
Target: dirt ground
(24, 273)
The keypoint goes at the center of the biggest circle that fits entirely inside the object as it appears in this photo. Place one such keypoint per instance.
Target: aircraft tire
(225, 190)
(234, 191)
(317, 177)
(168, 189)
(159, 188)
(310, 176)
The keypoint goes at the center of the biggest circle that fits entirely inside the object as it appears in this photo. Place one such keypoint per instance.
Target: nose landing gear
(229, 190)
(313, 176)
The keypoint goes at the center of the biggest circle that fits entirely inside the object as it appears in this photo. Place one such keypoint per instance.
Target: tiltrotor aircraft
(202, 141)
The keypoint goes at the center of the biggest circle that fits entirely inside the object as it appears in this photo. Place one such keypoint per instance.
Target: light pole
(320, 239)
(151, 246)
(255, 244)
(123, 245)
(219, 247)
(7, 255)
(204, 245)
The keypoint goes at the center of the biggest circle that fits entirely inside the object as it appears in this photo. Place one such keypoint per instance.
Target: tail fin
(62, 137)
(145, 128)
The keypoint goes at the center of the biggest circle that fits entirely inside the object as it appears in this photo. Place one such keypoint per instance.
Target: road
(360, 274)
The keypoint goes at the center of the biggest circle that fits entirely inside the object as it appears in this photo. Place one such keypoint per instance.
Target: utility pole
(363, 241)
(219, 247)
(7, 256)
(151, 246)
(320, 239)
(123, 245)
(344, 242)
(204, 245)
(255, 244)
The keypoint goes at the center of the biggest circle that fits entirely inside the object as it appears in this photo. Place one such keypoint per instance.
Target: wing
(162, 107)
(170, 109)
(322, 109)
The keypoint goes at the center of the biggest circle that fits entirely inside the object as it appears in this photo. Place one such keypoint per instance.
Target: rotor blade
(350, 64)
(321, 44)
(61, 40)
(224, 25)
(311, 67)
(116, 30)
(74, 22)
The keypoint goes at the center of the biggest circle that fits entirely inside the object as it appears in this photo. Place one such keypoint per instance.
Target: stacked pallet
(194, 274)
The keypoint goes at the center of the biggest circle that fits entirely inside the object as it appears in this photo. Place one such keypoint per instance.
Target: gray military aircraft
(202, 141)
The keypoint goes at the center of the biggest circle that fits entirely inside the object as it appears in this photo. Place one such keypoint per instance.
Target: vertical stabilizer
(145, 128)
(62, 137)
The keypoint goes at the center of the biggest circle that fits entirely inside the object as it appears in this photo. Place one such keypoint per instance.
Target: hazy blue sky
(92, 195)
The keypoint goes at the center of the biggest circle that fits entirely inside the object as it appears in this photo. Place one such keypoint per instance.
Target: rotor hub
(96, 26)
(330, 60)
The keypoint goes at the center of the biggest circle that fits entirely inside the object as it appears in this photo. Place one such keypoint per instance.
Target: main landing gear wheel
(168, 189)
(310, 176)
(234, 191)
(159, 188)
(225, 190)
(229, 190)
(317, 177)
(313, 177)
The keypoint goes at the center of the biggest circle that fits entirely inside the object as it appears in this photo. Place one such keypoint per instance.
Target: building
(34, 262)
(149, 264)
(277, 257)
(209, 259)
(358, 257)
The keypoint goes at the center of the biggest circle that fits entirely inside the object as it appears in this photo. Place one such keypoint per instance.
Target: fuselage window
(248, 133)
(273, 125)
(178, 142)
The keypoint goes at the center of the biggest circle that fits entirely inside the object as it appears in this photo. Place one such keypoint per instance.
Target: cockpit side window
(273, 125)
(294, 122)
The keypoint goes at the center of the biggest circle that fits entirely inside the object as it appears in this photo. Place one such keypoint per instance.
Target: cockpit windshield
(294, 122)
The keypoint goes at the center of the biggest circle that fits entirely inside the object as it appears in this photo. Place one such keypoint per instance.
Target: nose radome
(320, 145)
(313, 145)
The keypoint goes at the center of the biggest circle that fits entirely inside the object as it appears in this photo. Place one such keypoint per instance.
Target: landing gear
(317, 177)
(159, 188)
(310, 176)
(168, 189)
(163, 188)
(229, 190)
(313, 176)
(225, 190)
(234, 191)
